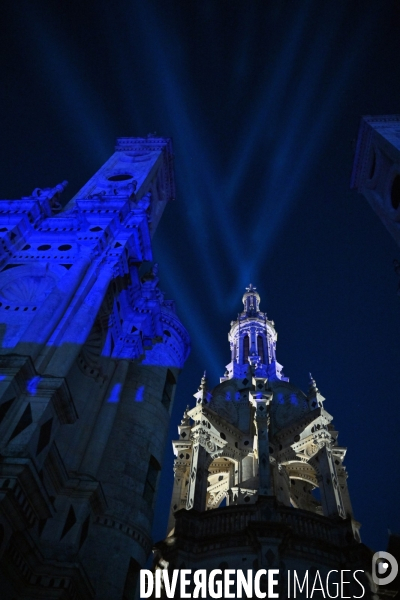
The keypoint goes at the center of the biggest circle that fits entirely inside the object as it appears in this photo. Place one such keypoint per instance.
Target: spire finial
(204, 380)
(186, 418)
(202, 396)
(251, 300)
(250, 288)
(312, 384)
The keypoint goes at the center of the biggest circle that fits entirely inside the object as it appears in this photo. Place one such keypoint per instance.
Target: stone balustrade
(236, 519)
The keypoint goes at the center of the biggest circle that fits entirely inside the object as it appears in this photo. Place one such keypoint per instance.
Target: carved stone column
(198, 479)
(344, 490)
(328, 482)
(178, 491)
(261, 400)
(281, 483)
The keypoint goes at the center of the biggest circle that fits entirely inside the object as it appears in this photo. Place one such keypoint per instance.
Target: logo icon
(384, 568)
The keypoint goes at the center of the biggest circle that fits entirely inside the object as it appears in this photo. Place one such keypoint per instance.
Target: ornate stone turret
(250, 451)
(252, 341)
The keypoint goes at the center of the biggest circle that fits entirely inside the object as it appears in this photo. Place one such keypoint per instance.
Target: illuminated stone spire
(202, 394)
(258, 466)
(251, 300)
(253, 342)
(315, 398)
(257, 459)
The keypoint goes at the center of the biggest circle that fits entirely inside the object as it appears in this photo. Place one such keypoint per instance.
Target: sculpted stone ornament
(201, 437)
(180, 470)
(209, 445)
(52, 195)
(311, 449)
(27, 289)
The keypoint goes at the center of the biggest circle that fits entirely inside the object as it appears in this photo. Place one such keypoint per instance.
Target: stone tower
(376, 169)
(259, 476)
(90, 355)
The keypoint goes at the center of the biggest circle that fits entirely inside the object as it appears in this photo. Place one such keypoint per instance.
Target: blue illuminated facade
(90, 355)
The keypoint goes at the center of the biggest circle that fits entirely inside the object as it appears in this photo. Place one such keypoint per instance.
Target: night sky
(263, 101)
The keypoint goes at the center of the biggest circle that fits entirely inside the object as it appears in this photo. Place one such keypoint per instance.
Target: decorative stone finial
(202, 393)
(251, 288)
(51, 194)
(186, 418)
(312, 385)
(203, 382)
(251, 300)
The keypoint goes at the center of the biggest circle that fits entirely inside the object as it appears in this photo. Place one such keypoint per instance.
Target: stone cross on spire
(251, 288)
(251, 299)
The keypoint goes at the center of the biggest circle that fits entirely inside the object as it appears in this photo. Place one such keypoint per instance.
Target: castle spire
(312, 385)
(253, 342)
(251, 300)
(202, 394)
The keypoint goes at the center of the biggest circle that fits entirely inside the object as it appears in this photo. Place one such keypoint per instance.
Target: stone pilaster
(261, 399)
(328, 482)
(198, 481)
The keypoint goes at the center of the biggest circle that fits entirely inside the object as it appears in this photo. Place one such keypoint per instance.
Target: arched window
(246, 345)
(260, 348)
(168, 390)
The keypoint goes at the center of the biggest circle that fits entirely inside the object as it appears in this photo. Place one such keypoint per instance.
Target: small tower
(252, 341)
(259, 475)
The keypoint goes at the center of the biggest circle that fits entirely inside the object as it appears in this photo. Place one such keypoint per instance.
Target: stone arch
(303, 479)
(222, 477)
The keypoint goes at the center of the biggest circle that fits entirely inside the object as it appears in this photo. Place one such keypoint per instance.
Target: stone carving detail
(311, 450)
(27, 289)
(202, 438)
(210, 446)
(89, 359)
